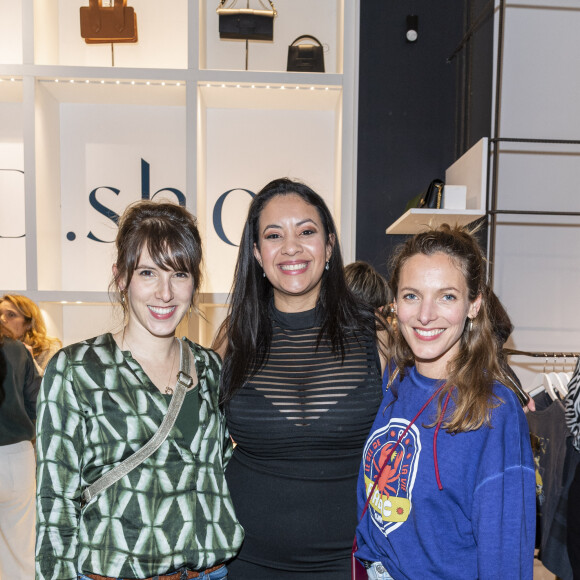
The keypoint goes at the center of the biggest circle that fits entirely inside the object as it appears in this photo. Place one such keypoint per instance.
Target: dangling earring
(263, 274)
(123, 297)
(327, 267)
(470, 327)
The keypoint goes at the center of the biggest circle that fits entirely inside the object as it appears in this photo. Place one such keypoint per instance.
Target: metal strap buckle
(185, 380)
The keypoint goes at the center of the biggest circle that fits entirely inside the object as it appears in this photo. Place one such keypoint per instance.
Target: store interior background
(423, 104)
(387, 117)
(396, 115)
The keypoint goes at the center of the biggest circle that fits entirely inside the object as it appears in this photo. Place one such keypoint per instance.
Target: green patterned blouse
(95, 408)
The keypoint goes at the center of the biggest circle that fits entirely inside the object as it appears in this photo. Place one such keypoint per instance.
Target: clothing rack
(551, 388)
(511, 351)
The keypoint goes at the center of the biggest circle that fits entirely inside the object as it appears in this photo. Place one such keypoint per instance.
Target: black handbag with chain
(246, 23)
(431, 198)
(305, 57)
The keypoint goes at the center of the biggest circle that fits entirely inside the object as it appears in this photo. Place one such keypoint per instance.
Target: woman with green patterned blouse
(102, 399)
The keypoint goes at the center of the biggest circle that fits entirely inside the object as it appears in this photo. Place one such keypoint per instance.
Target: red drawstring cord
(435, 440)
(397, 444)
(354, 544)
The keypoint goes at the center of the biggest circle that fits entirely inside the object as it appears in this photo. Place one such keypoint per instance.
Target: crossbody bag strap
(184, 384)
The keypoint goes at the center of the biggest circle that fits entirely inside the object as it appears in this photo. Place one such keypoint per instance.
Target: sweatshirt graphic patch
(390, 504)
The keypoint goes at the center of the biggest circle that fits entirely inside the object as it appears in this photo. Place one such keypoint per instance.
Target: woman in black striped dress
(301, 384)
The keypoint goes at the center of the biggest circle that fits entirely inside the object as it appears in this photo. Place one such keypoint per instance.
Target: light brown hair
(472, 372)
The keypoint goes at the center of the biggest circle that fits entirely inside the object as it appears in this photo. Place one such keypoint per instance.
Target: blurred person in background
(19, 385)
(368, 285)
(24, 320)
(365, 282)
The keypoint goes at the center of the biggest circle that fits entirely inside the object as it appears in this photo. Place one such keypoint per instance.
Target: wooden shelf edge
(417, 220)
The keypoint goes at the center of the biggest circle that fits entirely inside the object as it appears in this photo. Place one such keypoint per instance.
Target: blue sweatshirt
(481, 525)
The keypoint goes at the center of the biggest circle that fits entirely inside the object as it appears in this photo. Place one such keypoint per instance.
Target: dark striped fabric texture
(572, 404)
(307, 393)
(300, 424)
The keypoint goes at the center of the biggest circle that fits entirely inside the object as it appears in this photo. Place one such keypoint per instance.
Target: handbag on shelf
(105, 24)
(183, 385)
(305, 57)
(431, 198)
(246, 23)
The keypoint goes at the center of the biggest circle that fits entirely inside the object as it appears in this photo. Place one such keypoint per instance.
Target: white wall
(323, 22)
(537, 260)
(180, 100)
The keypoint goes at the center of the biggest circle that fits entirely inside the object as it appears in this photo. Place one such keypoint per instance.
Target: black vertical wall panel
(409, 94)
(477, 83)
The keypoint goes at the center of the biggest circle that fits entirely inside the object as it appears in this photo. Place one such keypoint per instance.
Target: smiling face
(292, 249)
(157, 299)
(13, 319)
(433, 305)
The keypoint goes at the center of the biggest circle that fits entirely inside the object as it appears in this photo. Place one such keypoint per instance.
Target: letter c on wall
(217, 214)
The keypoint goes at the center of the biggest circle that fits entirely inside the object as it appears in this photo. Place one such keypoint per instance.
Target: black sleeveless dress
(300, 425)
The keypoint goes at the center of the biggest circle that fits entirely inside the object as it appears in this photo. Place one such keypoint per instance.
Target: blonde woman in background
(24, 319)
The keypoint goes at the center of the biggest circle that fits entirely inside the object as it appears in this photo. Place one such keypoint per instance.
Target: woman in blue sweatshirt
(447, 486)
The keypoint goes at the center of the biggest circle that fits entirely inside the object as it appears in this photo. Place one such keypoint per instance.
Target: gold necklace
(168, 389)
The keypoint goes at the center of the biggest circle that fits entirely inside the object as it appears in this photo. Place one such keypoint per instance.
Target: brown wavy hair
(472, 372)
(35, 335)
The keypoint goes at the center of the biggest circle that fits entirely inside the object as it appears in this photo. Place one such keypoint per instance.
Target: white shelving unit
(177, 115)
(469, 170)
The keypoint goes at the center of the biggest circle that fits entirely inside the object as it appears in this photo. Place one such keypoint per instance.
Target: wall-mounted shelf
(414, 221)
(469, 170)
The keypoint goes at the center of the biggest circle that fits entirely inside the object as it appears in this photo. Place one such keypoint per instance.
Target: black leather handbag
(246, 23)
(431, 198)
(305, 57)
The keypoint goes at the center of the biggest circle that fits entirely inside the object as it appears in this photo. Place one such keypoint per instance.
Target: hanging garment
(555, 554)
(573, 527)
(572, 404)
(548, 432)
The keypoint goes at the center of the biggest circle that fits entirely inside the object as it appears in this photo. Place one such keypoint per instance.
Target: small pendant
(169, 390)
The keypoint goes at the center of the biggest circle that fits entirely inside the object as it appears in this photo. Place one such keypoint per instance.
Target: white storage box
(454, 197)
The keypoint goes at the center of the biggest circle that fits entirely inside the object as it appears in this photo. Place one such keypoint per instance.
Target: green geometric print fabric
(95, 408)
